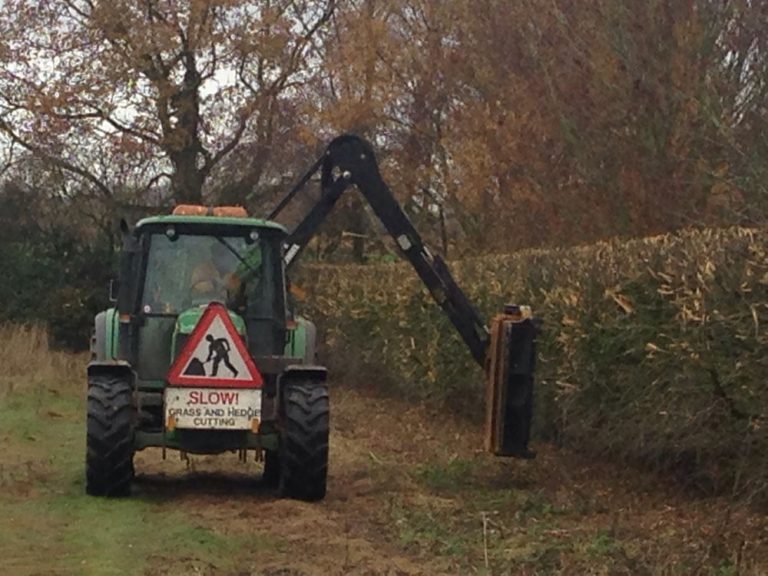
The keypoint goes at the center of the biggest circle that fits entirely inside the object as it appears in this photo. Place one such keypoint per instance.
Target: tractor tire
(271, 476)
(304, 440)
(109, 450)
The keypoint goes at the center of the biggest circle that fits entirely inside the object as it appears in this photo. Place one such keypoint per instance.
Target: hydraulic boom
(505, 350)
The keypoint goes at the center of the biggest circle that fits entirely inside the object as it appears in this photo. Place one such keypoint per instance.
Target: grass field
(50, 526)
(409, 493)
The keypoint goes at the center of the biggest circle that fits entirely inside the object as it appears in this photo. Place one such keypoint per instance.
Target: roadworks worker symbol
(215, 355)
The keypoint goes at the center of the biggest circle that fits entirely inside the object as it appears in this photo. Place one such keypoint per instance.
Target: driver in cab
(215, 279)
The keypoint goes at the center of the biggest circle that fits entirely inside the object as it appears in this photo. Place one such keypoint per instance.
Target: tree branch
(55, 160)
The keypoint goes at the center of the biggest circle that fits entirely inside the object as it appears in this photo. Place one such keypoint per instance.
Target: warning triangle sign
(215, 355)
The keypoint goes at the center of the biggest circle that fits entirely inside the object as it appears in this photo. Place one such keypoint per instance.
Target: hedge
(653, 351)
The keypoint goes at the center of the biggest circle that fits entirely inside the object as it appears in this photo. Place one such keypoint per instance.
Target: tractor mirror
(114, 288)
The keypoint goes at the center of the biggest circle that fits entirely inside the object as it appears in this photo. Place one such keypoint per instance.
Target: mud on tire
(109, 444)
(304, 440)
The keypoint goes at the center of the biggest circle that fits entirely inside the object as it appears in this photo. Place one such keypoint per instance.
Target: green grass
(525, 531)
(446, 476)
(87, 536)
(603, 544)
(430, 530)
(50, 526)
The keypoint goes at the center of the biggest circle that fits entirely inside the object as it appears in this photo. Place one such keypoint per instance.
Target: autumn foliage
(500, 124)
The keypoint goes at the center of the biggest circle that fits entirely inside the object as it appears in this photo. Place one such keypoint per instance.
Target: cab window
(193, 270)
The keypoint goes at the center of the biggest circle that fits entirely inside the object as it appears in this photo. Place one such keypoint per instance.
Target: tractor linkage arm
(349, 160)
(506, 351)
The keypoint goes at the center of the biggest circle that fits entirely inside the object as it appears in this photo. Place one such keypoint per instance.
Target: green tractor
(175, 268)
(202, 354)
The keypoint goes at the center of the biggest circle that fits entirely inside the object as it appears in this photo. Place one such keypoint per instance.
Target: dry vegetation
(27, 362)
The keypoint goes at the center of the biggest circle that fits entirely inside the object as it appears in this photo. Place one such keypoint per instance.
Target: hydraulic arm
(505, 350)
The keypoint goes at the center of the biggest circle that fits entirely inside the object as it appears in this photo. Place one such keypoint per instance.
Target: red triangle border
(175, 376)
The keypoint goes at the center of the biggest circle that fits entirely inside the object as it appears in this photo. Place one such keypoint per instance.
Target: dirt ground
(410, 492)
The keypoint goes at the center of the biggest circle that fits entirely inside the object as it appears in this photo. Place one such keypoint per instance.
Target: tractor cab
(185, 261)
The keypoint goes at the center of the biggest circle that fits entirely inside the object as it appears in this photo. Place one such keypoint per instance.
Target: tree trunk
(187, 180)
(183, 139)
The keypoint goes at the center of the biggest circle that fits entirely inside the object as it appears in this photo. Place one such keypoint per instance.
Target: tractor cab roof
(210, 216)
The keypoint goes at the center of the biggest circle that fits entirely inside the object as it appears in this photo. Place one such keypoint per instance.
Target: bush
(61, 284)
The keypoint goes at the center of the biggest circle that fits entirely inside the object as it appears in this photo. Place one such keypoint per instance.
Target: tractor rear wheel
(109, 454)
(304, 440)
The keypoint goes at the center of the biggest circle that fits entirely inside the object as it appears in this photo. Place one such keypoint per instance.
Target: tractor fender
(104, 342)
(113, 368)
(309, 371)
(310, 350)
(302, 341)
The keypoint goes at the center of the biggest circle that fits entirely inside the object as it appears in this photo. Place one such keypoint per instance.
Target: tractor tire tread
(304, 440)
(109, 439)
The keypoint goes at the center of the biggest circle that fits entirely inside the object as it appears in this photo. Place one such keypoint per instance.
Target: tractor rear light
(221, 211)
